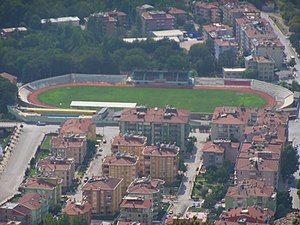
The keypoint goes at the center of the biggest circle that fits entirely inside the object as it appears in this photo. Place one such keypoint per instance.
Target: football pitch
(195, 100)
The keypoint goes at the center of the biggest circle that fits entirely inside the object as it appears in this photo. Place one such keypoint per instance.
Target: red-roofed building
(213, 154)
(157, 20)
(225, 44)
(104, 194)
(13, 211)
(121, 165)
(120, 16)
(156, 156)
(130, 223)
(11, 78)
(78, 209)
(130, 144)
(44, 186)
(179, 14)
(253, 214)
(69, 146)
(158, 125)
(149, 188)
(61, 168)
(104, 20)
(136, 209)
(251, 192)
(207, 11)
(264, 66)
(79, 126)
(216, 30)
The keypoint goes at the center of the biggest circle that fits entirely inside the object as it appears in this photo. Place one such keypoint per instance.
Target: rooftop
(162, 150)
(40, 183)
(32, 200)
(260, 149)
(212, 148)
(77, 208)
(232, 115)
(225, 43)
(8, 76)
(250, 188)
(136, 202)
(207, 5)
(76, 126)
(175, 11)
(50, 164)
(102, 183)
(257, 164)
(145, 185)
(129, 140)
(61, 19)
(65, 142)
(120, 159)
(154, 15)
(155, 115)
(215, 27)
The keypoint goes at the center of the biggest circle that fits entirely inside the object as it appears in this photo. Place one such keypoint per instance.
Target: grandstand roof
(103, 104)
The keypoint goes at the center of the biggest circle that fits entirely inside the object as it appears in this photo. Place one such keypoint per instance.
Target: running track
(33, 97)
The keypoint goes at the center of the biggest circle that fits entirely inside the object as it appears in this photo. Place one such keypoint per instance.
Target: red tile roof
(136, 202)
(77, 208)
(36, 183)
(161, 151)
(49, 164)
(76, 126)
(263, 150)
(212, 147)
(9, 77)
(63, 142)
(250, 188)
(120, 159)
(32, 200)
(224, 43)
(206, 5)
(231, 115)
(144, 185)
(102, 183)
(257, 164)
(129, 140)
(216, 26)
(153, 115)
(175, 11)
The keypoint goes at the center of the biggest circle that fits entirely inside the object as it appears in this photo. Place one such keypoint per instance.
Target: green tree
(295, 86)
(8, 94)
(251, 74)
(289, 162)
(284, 204)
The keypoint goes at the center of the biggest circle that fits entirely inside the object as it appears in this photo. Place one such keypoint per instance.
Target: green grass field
(196, 100)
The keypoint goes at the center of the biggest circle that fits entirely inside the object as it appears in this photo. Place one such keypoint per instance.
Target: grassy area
(46, 142)
(281, 26)
(196, 100)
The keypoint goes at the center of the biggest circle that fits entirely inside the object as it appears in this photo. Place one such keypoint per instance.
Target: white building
(71, 20)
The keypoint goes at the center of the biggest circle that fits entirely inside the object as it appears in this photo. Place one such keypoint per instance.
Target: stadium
(277, 97)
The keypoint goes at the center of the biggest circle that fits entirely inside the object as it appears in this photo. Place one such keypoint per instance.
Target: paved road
(95, 168)
(289, 51)
(184, 194)
(294, 135)
(24, 150)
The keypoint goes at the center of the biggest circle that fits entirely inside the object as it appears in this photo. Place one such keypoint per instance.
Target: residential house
(225, 44)
(206, 11)
(263, 66)
(157, 20)
(79, 126)
(76, 210)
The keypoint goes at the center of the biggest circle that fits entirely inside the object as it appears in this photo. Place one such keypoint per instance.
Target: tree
(227, 59)
(284, 204)
(251, 74)
(289, 162)
(8, 93)
(295, 86)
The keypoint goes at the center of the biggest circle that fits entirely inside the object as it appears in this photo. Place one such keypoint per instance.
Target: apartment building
(229, 122)
(262, 65)
(29, 209)
(136, 209)
(232, 11)
(120, 16)
(158, 125)
(69, 146)
(157, 20)
(78, 210)
(130, 144)
(216, 30)
(121, 165)
(272, 48)
(70, 20)
(149, 188)
(44, 186)
(206, 11)
(161, 162)
(224, 44)
(104, 20)
(178, 14)
(213, 154)
(251, 192)
(83, 127)
(104, 194)
(56, 167)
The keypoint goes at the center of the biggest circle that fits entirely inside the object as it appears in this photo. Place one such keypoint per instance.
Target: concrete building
(216, 30)
(252, 214)
(251, 192)
(232, 11)
(213, 154)
(161, 162)
(224, 44)
(158, 125)
(71, 20)
(104, 194)
(262, 65)
(148, 188)
(61, 168)
(75, 210)
(136, 209)
(130, 144)
(7, 76)
(179, 14)
(121, 165)
(29, 209)
(69, 146)
(44, 186)
(206, 11)
(157, 20)
(120, 16)
(79, 126)
(234, 72)
(272, 48)
(104, 20)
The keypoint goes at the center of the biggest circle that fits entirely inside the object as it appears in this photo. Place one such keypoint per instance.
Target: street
(184, 193)
(24, 150)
